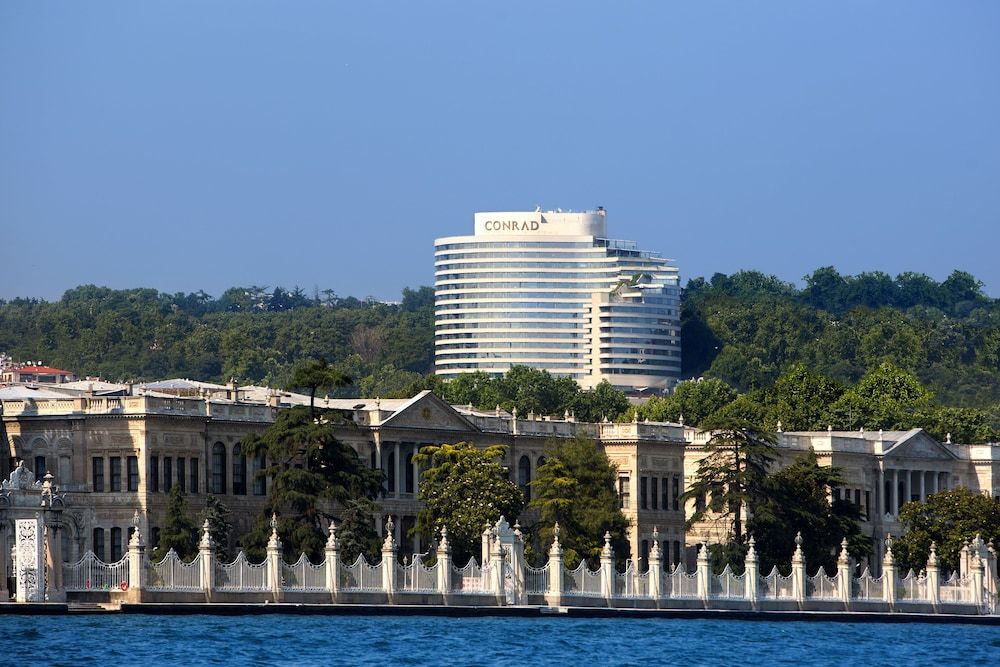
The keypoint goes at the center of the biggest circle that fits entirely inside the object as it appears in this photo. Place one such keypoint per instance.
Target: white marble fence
(504, 578)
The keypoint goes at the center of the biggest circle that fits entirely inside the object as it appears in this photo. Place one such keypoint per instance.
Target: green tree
(575, 488)
(803, 398)
(886, 398)
(604, 401)
(949, 518)
(220, 527)
(179, 532)
(695, 400)
(464, 488)
(796, 499)
(314, 375)
(312, 475)
(731, 474)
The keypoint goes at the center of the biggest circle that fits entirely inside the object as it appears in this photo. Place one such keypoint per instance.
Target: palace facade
(114, 455)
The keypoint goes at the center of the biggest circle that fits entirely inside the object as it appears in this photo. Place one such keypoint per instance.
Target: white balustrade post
(889, 574)
(484, 547)
(704, 572)
(844, 575)
(799, 571)
(656, 568)
(333, 562)
(136, 566)
(933, 578)
(274, 560)
(608, 570)
(496, 573)
(518, 566)
(751, 572)
(389, 561)
(555, 566)
(206, 549)
(444, 566)
(976, 580)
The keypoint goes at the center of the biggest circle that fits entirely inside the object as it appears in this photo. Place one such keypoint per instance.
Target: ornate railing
(241, 575)
(90, 573)
(173, 574)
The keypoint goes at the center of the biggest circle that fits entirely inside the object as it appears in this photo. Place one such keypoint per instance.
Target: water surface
(420, 640)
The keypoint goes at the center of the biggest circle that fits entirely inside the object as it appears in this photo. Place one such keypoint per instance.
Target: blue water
(420, 640)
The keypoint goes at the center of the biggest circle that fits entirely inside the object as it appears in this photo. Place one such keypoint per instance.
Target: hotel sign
(511, 225)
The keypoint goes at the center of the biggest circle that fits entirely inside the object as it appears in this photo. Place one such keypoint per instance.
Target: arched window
(524, 476)
(239, 471)
(540, 462)
(98, 546)
(218, 468)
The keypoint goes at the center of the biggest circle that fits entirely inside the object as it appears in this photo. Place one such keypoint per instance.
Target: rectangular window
(868, 503)
(836, 494)
(39, 468)
(116, 544)
(623, 492)
(133, 473)
(153, 477)
(156, 536)
(677, 552)
(239, 474)
(665, 500)
(699, 502)
(259, 480)
(654, 492)
(194, 476)
(97, 474)
(676, 493)
(643, 503)
(168, 473)
(116, 473)
(181, 480)
(99, 543)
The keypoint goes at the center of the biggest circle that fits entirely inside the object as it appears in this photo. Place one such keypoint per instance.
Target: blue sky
(202, 145)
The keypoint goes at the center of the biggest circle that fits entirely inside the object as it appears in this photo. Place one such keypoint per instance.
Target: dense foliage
(179, 532)
(313, 477)
(575, 488)
(949, 518)
(464, 489)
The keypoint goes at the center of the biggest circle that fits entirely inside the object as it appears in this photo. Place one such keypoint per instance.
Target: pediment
(427, 411)
(917, 445)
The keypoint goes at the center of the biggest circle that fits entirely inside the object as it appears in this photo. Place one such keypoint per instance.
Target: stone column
(398, 464)
(333, 563)
(895, 493)
(889, 575)
(656, 568)
(923, 492)
(799, 571)
(136, 566)
(54, 560)
(444, 566)
(935, 479)
(933, 578)
(976, 563)
(389, 561)
(608, 570)
(518, 566)
(484, 546)
(206, 549)
(497, 562)
(844, 575)
(880, 494)
(751, 577)
(907, 486)
(555, 566)
(704, 572)
(274, 560)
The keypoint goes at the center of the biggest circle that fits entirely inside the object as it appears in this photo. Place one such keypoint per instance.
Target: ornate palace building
(114, 454)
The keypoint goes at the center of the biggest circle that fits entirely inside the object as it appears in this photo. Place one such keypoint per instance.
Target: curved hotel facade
(551, 290)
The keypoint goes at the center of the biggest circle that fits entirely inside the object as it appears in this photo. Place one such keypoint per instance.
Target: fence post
(517, 565)
(751, 573)
(799, 571)
(274, 560)
(704, 572)
(206, 549)
(933, 578)
(608, 570)
(889, 574)
(444, 565)
(976, 581)
(333, 562)
(496, 573)
(389, 561)
(136, 566)
(555, 566)
(656, 568)
(844, 575)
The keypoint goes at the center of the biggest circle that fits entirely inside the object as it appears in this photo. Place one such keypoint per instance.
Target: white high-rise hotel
(551, 290)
